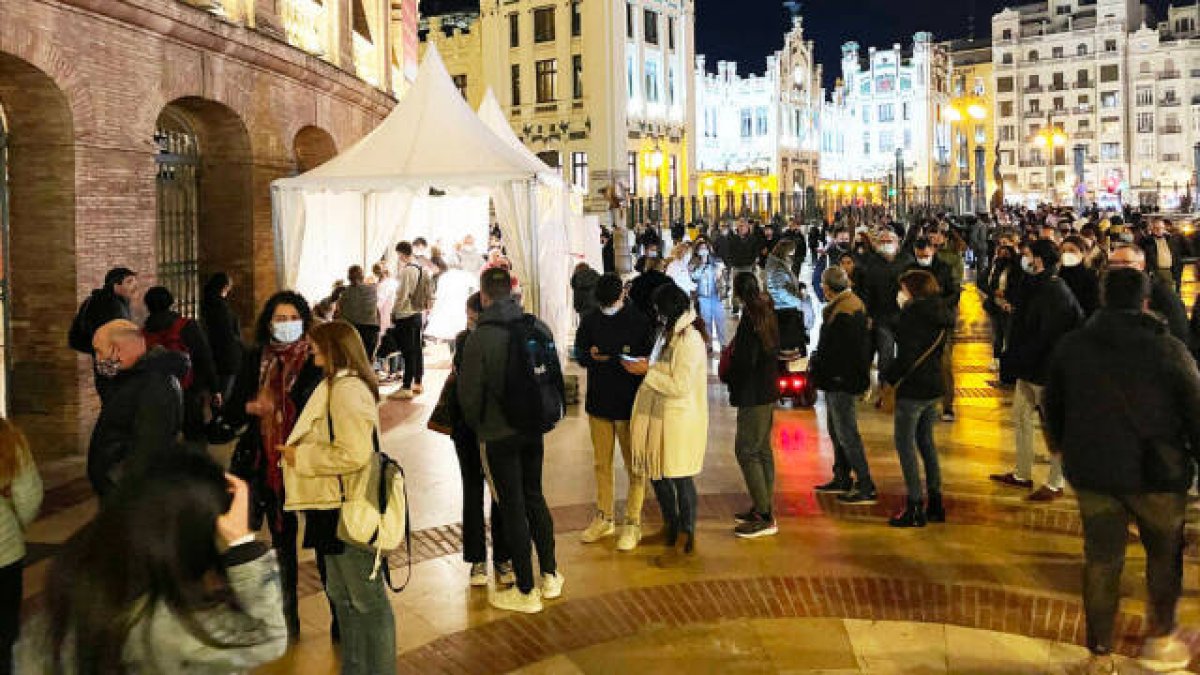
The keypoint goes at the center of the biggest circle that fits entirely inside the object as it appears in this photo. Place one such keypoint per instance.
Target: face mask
(611, 311)
(1127, 237)
(1072, 259)
(287, 332)
(888, 249)
(903, 298)
(925, 262)
(1027, 265)
(703, 254)
(108, 368)
(842, 244)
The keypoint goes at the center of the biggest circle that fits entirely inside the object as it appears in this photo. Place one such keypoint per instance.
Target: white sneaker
(631, 536)
(505, 575)
(401, 395)
(1165, 654)
(513, 600)
(552, 585)
(479, 574)
(600, 528)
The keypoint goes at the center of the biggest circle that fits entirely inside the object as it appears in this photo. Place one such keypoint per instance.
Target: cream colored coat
(669, 427)
(326, 474)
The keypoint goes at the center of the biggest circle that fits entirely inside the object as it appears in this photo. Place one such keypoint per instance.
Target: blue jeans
(841, 417)
(677, 499)
(363, 611)
(914, 424)
(712, 312)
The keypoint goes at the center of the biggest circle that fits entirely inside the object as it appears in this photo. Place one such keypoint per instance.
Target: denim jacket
(707, 276)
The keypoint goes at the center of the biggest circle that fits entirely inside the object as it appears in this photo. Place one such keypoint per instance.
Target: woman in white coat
(669, 427)
(326, 464)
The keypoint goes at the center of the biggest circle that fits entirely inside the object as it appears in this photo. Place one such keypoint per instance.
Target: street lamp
(1049, 138)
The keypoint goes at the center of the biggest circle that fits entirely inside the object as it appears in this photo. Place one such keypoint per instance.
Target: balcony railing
(1172, 129)
(1171, 157)
(1058, 86)
(1169, 102)
(1195, 72)
(305, 25)
(1084, 135)
(1035, 89)
(1169, 75)
(1086, 84)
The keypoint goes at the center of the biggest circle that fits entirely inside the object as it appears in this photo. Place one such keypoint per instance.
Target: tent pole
(534, 275)
(277, 236)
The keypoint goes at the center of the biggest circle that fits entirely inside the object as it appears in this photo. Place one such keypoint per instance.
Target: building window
(867, 143)
(1057, 52)
(747, 122)
(1008, 133)
(1110, 45)
(908, 139)
(905, 113)
(1082, 79)
(887, 141)
(671, 32)
(629, 31)
(1059, 102)
(543, 24)
(1145, 123)
(1032, 56)
(632, 168)
(1145, 95)
(550, 158)
(1058, 82)
(1033, 81)
(1145, 148)
(652, 86)
(514, 30)
(1110, 151)
(980, 133)
(1110, 99)
(577, 76)
(1004, 84)
(674, 175)
(760, 121)
(866, 114)
(1035, 105)
(547, 81)
(1006, 58)
(460, 81)
(1110, 73)
(1006, 108)
(887, 112)
(579, 170)
(670, 85)
(651, 26)
(1063, 10)
(631, 76)
(576, 20)
(1006, 34)
(1081, 50)
(516, 84)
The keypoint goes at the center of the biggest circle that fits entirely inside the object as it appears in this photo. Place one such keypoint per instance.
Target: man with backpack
(105, 304)
(414, 297)
(166, 328)
(510, 388)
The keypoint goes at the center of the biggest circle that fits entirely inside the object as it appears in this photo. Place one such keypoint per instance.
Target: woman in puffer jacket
(784, 289)
(327, 460)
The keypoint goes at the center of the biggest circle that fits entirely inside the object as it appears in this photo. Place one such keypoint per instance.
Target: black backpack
(79, 337)
(534, 393)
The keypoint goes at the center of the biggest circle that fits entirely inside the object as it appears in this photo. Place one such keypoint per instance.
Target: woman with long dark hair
(277, 377)
(784, 289)
(327, 460)
(167, 578)
(922, 329)
(751, 377)
(224, 332)
(669, 427)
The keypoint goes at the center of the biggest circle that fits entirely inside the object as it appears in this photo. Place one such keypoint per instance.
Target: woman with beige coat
(669, 427)
(326, 464)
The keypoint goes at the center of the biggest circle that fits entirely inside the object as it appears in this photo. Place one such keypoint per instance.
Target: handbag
(725, 364)
(887, 392)
(446, 414)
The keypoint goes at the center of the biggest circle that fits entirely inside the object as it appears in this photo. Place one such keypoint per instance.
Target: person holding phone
(608, 338)
(191, 590)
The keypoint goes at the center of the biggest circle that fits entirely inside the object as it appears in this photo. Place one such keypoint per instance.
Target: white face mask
(1027, 265)
(287, 332)
(888, 249)
(703, 254)
(611, 311)
(1072, 259)
(925, 262)
(903, 298)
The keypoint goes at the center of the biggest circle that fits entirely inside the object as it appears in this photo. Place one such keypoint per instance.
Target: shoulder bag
(887, 392)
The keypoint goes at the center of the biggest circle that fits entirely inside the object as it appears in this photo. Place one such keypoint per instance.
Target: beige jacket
(327, 474)
(669, 427)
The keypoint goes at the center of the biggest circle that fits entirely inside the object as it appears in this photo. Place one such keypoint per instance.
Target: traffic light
(891, 192)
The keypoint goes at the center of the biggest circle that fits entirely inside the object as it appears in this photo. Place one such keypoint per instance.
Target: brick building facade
(94, 95)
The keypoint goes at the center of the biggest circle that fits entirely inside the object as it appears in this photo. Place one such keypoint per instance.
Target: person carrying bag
(332, 472)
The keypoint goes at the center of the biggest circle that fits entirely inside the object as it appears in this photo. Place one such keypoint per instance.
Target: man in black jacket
(744, 246)
(604, 337)
(1164, 254)
(882, 268)
(142, 414)
(1127, 462)
(1044, 311)
(107, 303)
(841, 368)
(165, 327)
(1163, 300)
(641, 290)
(926, 256)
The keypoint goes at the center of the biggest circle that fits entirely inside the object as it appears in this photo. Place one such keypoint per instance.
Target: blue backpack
(534, 392)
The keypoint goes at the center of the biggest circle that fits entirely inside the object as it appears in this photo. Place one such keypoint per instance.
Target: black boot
(913, 515)
(935, 510)
(672, 532)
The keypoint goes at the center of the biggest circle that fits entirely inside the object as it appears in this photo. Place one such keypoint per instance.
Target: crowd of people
(1088, 330)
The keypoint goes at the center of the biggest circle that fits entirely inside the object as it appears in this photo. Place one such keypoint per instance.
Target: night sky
(747, 31)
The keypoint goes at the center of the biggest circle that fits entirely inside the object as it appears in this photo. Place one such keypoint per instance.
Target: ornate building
(146, 133)
(888, 111)
(759, 135)
(972, 132)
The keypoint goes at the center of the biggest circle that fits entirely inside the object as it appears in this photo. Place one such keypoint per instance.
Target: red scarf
(277, 372)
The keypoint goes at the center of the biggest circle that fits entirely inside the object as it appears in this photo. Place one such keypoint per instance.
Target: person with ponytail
(669, 426)
(751, 378)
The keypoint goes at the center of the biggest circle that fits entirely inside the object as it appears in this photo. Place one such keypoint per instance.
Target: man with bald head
(1163, 299)
(142, 411)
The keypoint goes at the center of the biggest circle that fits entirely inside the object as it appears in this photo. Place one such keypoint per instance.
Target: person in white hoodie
(679, 269)
(21, 495)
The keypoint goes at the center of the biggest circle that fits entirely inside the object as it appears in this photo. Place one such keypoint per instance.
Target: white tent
(352, 209)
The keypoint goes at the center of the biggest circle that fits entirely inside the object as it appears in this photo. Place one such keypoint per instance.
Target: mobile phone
(631, 359)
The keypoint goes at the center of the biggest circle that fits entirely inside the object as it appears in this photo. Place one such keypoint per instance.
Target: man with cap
(141, 415)
(1044, 311)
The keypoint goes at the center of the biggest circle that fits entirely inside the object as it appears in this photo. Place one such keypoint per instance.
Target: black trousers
(370, 337)
(515, 464)
(283, 540)
(11, 590)
(470, 465)
(407, 333)
(1159, 517)
(792, 334)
